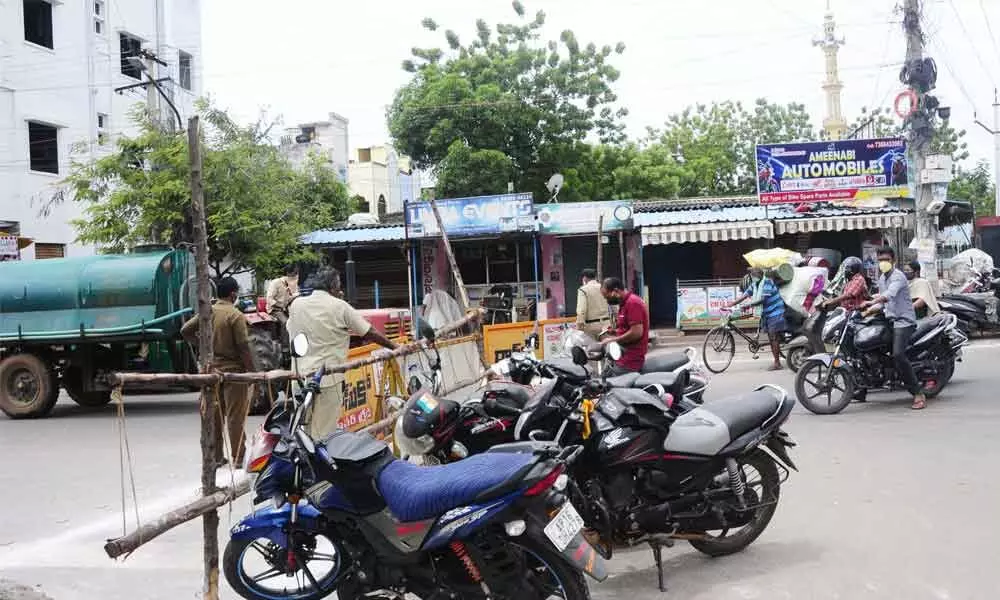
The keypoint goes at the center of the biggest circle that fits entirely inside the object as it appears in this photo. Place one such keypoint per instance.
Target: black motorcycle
(976, 311)
(862, 359)
(653, 473)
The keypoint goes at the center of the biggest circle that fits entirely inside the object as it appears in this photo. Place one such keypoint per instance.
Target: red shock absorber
(470, 565)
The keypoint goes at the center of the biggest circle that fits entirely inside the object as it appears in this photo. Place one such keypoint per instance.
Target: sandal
(919, 404)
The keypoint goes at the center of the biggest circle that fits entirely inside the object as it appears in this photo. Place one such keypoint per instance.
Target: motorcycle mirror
(300, 345)
(425, 331)
(579, 356)
(614, 350)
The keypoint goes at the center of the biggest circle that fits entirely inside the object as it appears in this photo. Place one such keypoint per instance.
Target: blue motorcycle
(346, 516)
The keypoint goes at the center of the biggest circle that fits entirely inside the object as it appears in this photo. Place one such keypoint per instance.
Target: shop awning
(844, 222)
(706, 232)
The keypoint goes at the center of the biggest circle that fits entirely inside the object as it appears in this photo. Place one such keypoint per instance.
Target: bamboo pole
(463, 295)
(210, 522)
(125, 379)
(600, 249)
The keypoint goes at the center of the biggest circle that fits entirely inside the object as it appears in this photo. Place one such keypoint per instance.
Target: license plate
(564, 526)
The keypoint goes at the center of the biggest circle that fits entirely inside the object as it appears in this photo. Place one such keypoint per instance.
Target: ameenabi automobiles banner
(842, 170)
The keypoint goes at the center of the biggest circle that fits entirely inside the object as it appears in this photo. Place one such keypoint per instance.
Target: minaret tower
(834, 126)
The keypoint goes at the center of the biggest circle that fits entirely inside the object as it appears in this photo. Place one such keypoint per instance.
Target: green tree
(466, 171)
(506, 91)
(975, 186)
(714, 144)
(257, 206)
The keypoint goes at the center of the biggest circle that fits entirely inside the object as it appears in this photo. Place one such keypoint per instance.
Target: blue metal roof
(787, 211)
(355, 235)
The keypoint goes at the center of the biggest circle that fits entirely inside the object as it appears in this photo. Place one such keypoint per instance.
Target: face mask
(884, 266)
(614, 300)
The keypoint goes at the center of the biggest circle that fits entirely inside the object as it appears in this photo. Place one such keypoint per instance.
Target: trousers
(234, 405)
(900, 340)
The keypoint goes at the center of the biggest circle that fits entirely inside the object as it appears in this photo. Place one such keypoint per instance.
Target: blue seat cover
(414, 493)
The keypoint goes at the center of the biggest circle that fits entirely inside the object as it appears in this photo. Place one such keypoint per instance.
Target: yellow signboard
(366, 389)
(500, 340)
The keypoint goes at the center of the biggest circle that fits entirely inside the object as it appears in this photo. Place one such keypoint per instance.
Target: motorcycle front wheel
(259, 570)
(763, 489)
(815, 382)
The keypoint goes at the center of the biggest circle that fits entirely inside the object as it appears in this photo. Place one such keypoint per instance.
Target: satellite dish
(554, 185)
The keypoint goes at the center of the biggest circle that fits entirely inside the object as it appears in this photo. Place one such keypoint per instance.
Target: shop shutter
(43, 251)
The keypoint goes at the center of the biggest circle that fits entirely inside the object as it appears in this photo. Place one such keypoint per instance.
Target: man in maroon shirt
(632, 332)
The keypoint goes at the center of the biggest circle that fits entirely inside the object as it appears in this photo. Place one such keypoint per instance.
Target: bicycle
(721, 339)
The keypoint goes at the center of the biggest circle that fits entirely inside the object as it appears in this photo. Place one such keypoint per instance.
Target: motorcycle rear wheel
(767, 496)
(796, 356)
(812, 375)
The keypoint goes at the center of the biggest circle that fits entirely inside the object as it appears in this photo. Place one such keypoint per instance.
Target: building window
(102, 128)
(99, 17)
(43, 147)
(38, 22)
(184, 63)
(43, 251)
(131, 47)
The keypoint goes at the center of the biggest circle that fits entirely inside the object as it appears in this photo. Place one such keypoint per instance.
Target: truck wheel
(72, 382)
(28, 387)
(266, 350)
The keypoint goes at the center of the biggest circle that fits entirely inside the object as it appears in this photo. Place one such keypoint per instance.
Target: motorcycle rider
(925, 304)
(856, 291)
(894, 298)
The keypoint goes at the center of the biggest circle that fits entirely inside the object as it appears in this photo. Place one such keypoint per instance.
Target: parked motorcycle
(651, 472)
(976, 306)
(498, 525)
(862, 359)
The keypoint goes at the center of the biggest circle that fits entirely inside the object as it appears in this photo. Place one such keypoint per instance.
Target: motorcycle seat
(977, 302)
(626, 380)
(664, 362)
(502, 399)
(415, 493)
(925, 325)
(745, 412)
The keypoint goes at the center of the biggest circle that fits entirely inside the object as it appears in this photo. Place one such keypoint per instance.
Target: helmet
(424, 419)
(851, 266)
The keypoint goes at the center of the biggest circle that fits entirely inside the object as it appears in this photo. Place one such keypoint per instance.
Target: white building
(60, 63)
(325, 138)
(383, 179)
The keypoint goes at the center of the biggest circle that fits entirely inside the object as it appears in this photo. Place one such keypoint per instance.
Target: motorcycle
(976, 305)
(652, 472)
(862, 359)
(498, 525)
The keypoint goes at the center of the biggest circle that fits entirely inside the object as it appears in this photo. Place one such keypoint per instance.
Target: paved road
(889, 503)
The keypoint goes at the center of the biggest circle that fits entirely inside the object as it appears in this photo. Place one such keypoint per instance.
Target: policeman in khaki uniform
(592, 315)
(231, 354)
(327, 322)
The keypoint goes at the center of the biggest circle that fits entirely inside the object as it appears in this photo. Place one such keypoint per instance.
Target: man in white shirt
(592, 315)
(925, 303)
(328, 322)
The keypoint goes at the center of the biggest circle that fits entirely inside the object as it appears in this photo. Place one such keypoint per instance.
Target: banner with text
(582, 217)
(834, 171)
(478, 215)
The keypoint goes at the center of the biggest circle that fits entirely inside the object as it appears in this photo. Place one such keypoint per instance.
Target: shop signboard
(841, 171)
(692, 305)
(478, 215)
(720, 297)
(582, 217)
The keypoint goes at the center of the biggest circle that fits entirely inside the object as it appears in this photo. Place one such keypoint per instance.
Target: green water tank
(99, 292)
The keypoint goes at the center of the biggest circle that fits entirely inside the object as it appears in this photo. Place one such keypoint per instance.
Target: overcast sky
(301, 59)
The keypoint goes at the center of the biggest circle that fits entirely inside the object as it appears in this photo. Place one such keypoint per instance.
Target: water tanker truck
(67, 323)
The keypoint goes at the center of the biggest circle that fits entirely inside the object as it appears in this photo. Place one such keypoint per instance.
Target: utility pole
(918, 78)
(995, 132)
(209, 406)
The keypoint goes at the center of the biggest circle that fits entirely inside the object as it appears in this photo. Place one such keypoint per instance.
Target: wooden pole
(600, 249)
(210, 521)
(463, 295)
(621, 253)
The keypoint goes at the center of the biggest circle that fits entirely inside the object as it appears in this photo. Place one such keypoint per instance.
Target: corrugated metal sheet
(355, 235)
(845, 221)
(706, 232)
